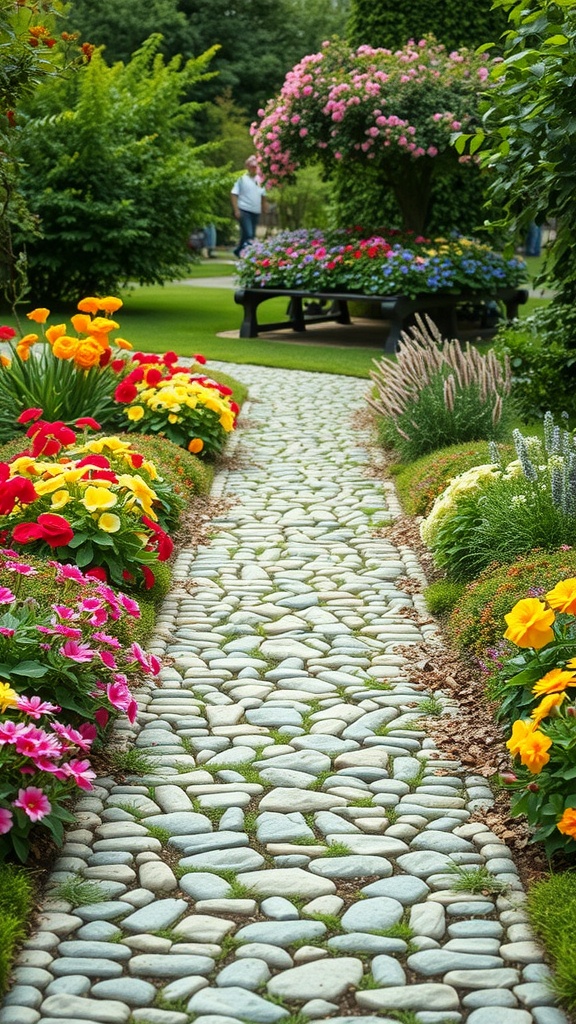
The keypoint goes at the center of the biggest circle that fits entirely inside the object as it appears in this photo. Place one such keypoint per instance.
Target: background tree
(113, 176)
(455, 23)
(258, 39)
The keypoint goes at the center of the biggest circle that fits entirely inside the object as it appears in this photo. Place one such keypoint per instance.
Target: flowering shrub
(57, 658)
(496, 513)
(419, 483)
(190, 409)
(95, 506)
(397, 110)
(438, 392)
(387, 264)
(536, 688)
(67, 372)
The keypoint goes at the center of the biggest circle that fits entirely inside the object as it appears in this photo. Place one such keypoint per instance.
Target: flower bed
(387, 264)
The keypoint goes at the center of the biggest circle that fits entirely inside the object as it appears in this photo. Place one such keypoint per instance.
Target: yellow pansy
(60, 498)
(135, 412)
(143, 494)
(8, 697)
(96, 498)
(54, 483)
(109, 522)
(24, 465)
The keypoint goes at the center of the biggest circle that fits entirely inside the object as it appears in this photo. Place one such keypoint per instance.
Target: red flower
(97, 573)
(136, 459)
(56, 530)
(234, 408)
(94, 460)
(200, 359)
(171, 357)
(87, 421)
(28, 414)
(125, 392)
(104, 474)
(25, 532)
(18, 489)
(153, 376)
(149, 577)
(118, 365)
(164, 544)
(11, 117)
(6, 333)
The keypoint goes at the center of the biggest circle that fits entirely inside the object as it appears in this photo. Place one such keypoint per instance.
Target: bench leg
(249, 325)
(296, 314)
(343, 316)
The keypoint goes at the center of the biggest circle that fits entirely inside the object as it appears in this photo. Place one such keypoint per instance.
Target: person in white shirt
(248, 202)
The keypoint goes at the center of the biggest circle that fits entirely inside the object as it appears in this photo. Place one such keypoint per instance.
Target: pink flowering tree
(392, 112)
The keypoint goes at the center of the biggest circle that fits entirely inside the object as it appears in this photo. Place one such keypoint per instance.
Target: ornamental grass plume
(438, 392)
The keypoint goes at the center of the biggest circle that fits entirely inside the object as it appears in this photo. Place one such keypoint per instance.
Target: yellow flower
(122, 343)
(143, 494)
(8, 697)
(60, 498)
(530, 745)
(50, 486)
(529, 624)
(109, 522)
(96, 498)
(89, 305)
(115, 444)
(5, 361)
(110, 304)
(548, 704)
(135, 412)
(567, 823)
(150, 468)
(563, 597)
(24, 465)
(554, 681)
(172, 418)
(39, 315)
(54, 332)
(227, 420)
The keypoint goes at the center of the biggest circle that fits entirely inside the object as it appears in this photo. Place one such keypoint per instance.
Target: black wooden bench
(399, 310)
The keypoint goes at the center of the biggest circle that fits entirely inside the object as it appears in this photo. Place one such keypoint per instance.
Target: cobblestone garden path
(295, 851)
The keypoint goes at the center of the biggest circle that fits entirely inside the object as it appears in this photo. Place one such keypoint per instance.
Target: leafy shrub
(442, 596)
(535, 686)
(421, 482)
(477, 619)
(543, 363)
(552, 906)
(493, 514)
(438, 393)
(16, 902)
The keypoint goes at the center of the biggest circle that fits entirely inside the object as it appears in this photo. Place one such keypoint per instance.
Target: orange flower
(57, 331)
(109, 304)
(39, 315)
(5, 361)
(529, 624)
(196, 445)
(520, 730)
(65, 347)
(101, 325)
(99, 339)
(554, 681)
(89, 305)
(563, 597)
(122, 343)
(546, 706)
(567, 823)
(81, 323)
(87, 354)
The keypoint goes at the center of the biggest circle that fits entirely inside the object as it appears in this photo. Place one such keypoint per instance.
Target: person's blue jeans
(533, 240)
(248, 225)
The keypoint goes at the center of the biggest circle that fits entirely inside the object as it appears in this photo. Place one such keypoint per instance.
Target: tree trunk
(412, 188)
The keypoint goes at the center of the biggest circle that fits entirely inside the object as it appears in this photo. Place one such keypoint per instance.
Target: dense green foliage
(113, 177)
(477, 619)
(543, 362)
(16, 902)
(551, 907)
(420, 482)
(258, 40)
(387, 23)
(528, 135)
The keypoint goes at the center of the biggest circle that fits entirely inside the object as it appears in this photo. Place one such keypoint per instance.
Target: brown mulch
(473, 736)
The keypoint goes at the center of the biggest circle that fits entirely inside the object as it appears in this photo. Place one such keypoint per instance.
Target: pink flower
(68, 572)
(107, 658)
(34, 802)
(105, 638)
(34, 707)
(68, 631)
(6, 820)
(81, 772)
(6, 596)
(63, 611)
(101, 716)
(90, 604)
(73, 736)
(77, 652)
(130, 606)
(35, 743)
(9, 731)
(5, 631)
(22, 568)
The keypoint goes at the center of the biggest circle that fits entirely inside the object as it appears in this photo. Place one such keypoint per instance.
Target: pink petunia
(6, 596)
(132, 607)
(108, 659)
(90, 604)
(73, 736)
(77, 652)
(34, 802)
(68, 572)
(6, 820)
(35, 743)
(105, 638)
(69, 631)
(10, 731)
(35, 707)
(64, 612)
(22, 568)
(5, 631)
